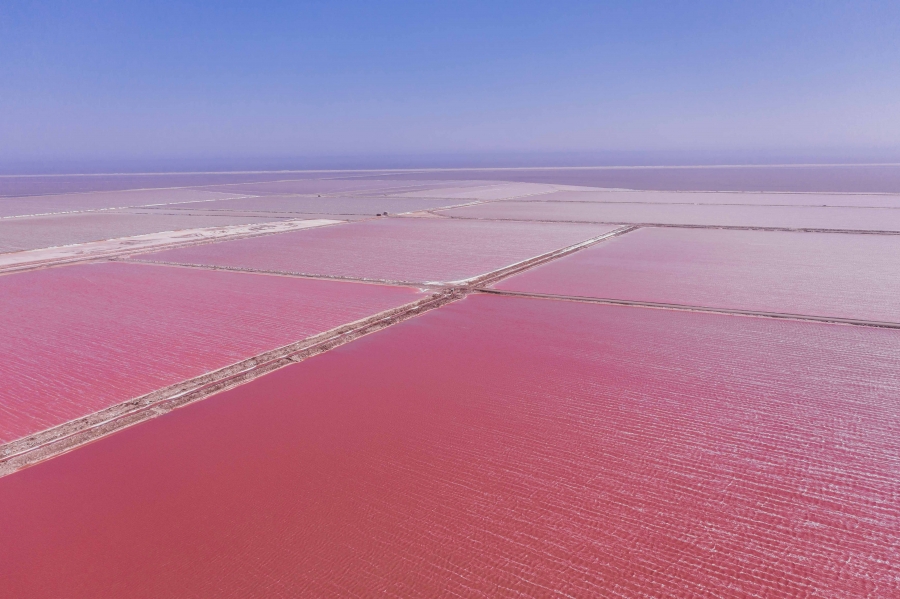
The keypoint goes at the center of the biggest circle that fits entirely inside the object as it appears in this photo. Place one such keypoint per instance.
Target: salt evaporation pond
(497, 447)
(77, 339)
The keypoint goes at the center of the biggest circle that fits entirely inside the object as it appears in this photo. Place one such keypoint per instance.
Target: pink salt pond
(815, 274)
(497, 447)
(78, 339)
(392, 249)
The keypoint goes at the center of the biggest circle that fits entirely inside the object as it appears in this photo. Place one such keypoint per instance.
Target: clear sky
(256, 80)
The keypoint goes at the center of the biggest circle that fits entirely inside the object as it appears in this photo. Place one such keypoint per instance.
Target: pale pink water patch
(403, 249)
(75, 202)
(817, 274)
(291, 185)
(721, 197)
(369, 206)
(29, 233)
(791, 217)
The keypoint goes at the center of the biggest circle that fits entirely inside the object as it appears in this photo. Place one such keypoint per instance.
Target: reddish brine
(497, 447)
(78, 339)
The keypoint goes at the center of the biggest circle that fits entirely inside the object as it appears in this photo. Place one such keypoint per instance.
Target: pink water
(74, 202)
(748, 198)
(846, 178)
(34, 232)
(330, 205)
(819, 274)
(320, 185)
(497, 447)
(396, 249)
(793, 217)
(855, 179)
(78, 339)
(12, 186)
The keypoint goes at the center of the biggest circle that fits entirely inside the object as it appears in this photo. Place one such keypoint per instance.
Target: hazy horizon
(450, 162)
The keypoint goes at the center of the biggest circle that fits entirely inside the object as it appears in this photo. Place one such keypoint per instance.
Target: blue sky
(232, 81)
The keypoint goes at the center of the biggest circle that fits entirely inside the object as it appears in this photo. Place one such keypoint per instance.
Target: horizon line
(457, 169)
